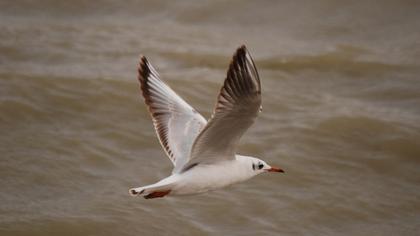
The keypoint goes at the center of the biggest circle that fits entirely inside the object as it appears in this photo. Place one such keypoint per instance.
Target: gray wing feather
(236, 109)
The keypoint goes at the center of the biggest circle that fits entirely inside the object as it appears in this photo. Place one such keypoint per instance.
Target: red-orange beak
(275, 169)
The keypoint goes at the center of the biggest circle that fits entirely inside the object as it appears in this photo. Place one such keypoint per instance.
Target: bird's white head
(258, 166)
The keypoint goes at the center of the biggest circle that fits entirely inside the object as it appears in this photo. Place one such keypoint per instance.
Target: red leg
(157, 194)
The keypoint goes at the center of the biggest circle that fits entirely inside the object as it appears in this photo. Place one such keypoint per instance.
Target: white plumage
(204, 153)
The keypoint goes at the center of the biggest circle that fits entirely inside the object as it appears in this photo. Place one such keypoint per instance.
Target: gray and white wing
(236, 109)
(177, 124)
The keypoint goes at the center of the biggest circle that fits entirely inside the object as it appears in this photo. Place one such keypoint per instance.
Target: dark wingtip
(142, 58)
(240, 53)
(143, 68)
(143, 62)
(241, 50)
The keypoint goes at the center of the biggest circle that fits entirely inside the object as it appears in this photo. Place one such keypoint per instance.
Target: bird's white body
(204, 152)
(207, 177)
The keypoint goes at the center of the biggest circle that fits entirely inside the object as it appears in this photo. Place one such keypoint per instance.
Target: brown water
(341, 98)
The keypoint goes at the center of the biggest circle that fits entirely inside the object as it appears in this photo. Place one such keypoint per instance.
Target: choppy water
(341, 97)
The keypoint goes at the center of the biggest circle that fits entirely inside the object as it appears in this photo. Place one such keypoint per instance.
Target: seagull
(204, 152)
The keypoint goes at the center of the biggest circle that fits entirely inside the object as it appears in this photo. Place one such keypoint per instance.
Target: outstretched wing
(177, 124)
(237, 106)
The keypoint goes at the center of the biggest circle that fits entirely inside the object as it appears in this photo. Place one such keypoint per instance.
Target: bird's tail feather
(150, 189)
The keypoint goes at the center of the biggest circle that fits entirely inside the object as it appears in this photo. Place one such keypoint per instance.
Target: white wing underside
(184, 134)
(177, 124)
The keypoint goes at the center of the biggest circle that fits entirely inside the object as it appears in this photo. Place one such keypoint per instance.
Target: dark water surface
(341, 98)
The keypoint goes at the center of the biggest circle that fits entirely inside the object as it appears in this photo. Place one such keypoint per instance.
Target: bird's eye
(260, 166)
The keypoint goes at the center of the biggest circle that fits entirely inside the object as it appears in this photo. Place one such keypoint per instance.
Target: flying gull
(204, 152)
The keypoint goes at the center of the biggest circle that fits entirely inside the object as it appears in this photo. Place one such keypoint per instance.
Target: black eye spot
(260, 166)
(253, 166)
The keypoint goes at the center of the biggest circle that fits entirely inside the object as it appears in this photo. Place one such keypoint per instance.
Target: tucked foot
(157, 194)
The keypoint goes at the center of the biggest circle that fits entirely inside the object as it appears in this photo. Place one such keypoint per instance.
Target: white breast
(204, 177)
